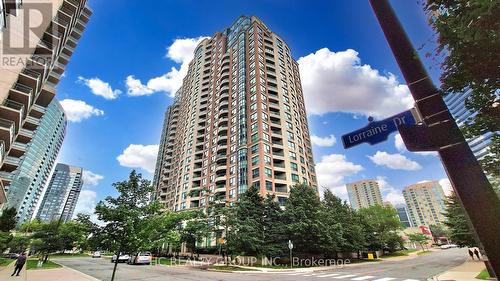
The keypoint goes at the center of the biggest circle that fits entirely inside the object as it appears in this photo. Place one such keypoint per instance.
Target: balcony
(63, 58)
(30, 78)
(7, 132)
(37, 111)
(31, 123)
(46, 95)
(18, 149)
(22, 94)
(25, 136)
(14, 111)
(54, 77)
(10, 163)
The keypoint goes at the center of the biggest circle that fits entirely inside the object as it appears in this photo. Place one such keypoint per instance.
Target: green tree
(381, 224)
(46, 239)
(438, 230)
(8, 219)
(419, 238)
(19, 243)
(333, 212)
(5, 238)
(460, 231)
(248, 225)
(274, 228)
(194, 231)
(302, 214)
(126, 215)
(468, 39)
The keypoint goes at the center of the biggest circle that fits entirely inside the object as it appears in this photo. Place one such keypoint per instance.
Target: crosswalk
(341, 276)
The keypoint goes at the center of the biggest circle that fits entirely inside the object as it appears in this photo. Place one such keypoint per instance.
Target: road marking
(363, 278)
(344, 276)
(385, 279)
(410, 280)
(328, 275)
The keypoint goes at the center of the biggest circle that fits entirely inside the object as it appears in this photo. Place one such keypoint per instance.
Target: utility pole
(439, 132)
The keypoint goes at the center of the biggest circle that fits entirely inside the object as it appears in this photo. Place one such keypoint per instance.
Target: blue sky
(148, 41)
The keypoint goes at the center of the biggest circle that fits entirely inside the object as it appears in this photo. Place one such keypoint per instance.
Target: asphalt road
(419, 268)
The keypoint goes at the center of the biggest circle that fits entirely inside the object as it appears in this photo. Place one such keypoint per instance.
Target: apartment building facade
(61, 196)
(364, 193)
(238, 120)
(33, 61)
(30, 179)
(425, 203)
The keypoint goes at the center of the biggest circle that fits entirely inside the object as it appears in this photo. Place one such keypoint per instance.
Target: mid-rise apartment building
(425, 202)
(38, 39)
(30, 179)
(364, 193)
(61, 196)
(239, 120)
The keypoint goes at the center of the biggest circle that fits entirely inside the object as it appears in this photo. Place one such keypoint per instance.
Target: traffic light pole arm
(467, 178)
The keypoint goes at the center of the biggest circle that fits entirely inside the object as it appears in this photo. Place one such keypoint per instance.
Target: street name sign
(378, 131)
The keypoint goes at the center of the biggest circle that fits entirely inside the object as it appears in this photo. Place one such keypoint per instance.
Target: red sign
(425, 230)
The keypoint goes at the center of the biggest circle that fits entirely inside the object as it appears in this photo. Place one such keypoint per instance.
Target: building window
(268, 172)
(255, 160)
(269, 186)
(294, 166)
(255, 173)
(295, 178)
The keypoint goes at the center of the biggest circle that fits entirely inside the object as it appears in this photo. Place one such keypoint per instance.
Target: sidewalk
(464, 272)
(7, 271)
(56, 274)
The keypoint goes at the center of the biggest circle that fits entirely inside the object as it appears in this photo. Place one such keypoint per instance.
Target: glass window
(295, 167)
(255, 173)
(295, 178)
(269, 186)
(268, 172)
(255, 137)
(267, 148)
(255, 149)
(267, 160)
(255, 160)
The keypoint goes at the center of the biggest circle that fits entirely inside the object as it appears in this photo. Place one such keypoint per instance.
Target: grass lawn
(401, 253)
(229, 268)
(483, 275)
(423, 252)
(5, 262)
(68, 255)
(32, 264)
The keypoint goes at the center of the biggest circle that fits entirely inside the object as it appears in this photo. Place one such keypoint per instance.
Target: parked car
(140, 258)
(11, 256)
(123, 257)
(96, 254)
(448, 246)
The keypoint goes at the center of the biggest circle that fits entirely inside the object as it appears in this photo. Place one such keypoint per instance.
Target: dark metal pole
(439, 132)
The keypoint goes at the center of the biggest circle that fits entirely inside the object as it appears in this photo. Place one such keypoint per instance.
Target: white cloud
(90, 178)
(390, 193)
(78, 110)
(401, 147)
(338, 82)
(139, 156)
(181, 51)
(100, 88)
(87, 200)
(446, 185)
(323, 141)
(332, 170)
(394, 161)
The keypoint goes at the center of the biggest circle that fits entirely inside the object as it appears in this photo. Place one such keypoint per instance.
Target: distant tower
(403, 215)
(364, 193)
(30, 179)
(62, 194)
(239, 120)
(425, 203)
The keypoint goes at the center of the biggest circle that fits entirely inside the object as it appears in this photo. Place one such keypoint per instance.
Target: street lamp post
(439, 132)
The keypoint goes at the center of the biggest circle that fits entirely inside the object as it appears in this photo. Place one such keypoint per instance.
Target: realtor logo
(26, 27)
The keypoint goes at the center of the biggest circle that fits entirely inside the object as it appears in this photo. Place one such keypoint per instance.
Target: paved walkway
(464, 272)
(56, 274)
